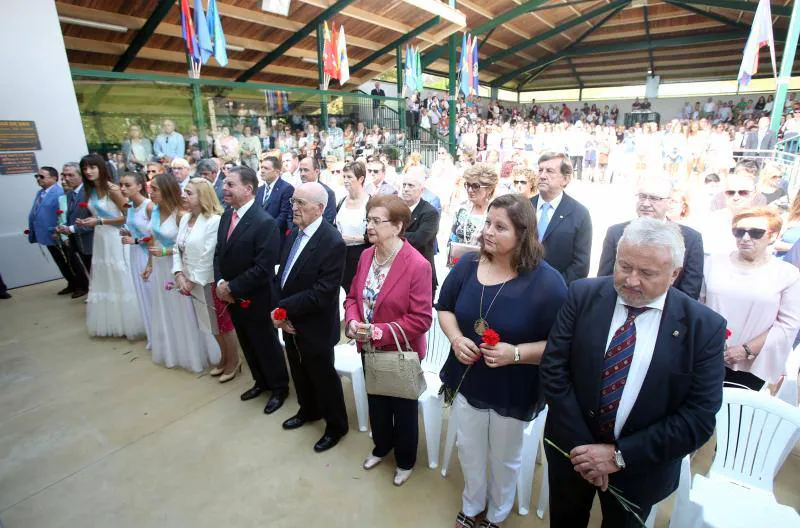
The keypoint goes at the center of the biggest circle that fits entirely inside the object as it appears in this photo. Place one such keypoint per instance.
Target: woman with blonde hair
(759, 295)
(176, 338)
(193, 267)
(480, 181)
(525, 181)
(791, 229)
(769, 183)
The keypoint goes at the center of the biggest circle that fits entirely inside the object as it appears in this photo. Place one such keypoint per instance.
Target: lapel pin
(561, 216)
(675, 333)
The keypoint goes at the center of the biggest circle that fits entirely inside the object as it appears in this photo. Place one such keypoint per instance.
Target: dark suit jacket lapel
(563, 210)
(241, 227)
(671, 333)
(601, 313)
(395, 272)
(308, 250)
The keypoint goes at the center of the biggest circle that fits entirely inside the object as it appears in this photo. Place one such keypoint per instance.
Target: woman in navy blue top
(509, 289)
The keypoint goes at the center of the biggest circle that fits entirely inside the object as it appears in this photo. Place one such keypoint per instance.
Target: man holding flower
(632, 374)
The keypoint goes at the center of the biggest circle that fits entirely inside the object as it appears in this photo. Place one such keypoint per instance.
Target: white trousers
(487, 440)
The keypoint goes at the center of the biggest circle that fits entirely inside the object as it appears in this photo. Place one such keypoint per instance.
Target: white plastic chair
(754, 433)
(347, 362)
(788, 389)
(681, 498)
(431, 404)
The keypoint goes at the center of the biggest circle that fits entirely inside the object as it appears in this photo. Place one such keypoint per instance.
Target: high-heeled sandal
(224, 378)
(486, 523)
(462, 521)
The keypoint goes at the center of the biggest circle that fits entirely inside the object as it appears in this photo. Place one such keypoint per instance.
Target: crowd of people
(252, 248)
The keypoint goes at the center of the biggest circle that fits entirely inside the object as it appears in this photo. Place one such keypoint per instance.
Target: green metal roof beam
(508, 16)
(289, 43)
(555, 31)
(708, 14)
(143, 35)
(739, 5)
(396, 44)
(533, 76)
(574, 72)
(556, 56)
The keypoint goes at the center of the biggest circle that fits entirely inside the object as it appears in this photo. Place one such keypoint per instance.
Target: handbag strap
(408, 345)
(394, 335)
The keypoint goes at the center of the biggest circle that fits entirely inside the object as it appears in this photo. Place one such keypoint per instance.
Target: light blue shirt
(171, 146)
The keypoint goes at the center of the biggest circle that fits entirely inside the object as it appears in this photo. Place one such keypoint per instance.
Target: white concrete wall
(36, 86)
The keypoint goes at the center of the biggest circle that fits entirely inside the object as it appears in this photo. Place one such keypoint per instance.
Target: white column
(36, 86)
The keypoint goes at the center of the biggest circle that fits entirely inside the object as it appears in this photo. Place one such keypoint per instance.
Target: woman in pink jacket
(392, 284)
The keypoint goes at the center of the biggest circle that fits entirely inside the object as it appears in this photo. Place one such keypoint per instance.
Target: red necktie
(234, 221)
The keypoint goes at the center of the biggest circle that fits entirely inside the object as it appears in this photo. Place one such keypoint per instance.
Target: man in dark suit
(309, 172)
(564, 225)
(207, 168)
(275, 194)
(309, 277)
(653, 201)
(632, 374)
(421, 231)
(81, 239)
(244, 268)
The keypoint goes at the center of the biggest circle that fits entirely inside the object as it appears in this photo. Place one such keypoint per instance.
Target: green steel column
(451, 85)
(323, 104)
(789, 48)
(401, 108)
(199, 115)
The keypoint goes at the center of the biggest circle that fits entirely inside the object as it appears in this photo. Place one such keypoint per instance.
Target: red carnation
(490, 337)
(27, 232)
(83, 205)
(728, 333)
(279, 314)
(146, 240)
(59, 211)
(288, 232)
(245, 303)
(455, 260)
(126, 205)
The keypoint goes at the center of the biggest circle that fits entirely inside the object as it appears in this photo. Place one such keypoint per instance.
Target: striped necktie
(616, 365)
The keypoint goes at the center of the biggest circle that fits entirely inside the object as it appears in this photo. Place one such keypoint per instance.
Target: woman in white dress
(111, 309)
(193, 266)
(136, 233)
(176, 339)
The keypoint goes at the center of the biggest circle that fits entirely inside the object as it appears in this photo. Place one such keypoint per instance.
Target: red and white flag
(760, 36)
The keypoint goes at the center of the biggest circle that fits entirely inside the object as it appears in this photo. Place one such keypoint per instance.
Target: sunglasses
(474, 186)
(520, 182)
(740, 192)
(374, 171)
(754, 233)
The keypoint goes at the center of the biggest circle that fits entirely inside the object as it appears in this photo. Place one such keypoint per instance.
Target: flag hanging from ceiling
(344, 65)
(187, 29)
(328, 57)
(418, 70)
(215, 32)
(465, 81)
(760, 36)
(205, 48)
(409, 71)
(475, 66)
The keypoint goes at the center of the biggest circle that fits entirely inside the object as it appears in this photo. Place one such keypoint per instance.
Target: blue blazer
(278, 206)
(674, 413)
(568, 239)
(83, 238)
(42, 220)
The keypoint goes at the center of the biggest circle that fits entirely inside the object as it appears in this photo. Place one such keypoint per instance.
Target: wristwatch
(516, 355)
(749, 353)
(618, 460)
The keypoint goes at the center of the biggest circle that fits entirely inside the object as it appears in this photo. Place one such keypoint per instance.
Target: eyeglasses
(152, 171)
(740, 192)
(335, 171)
(474, 186)
(520, 182)
(642, 197)
(39, 177)
(754, 233)
(373, 171)
(297, 201)
(375, 221)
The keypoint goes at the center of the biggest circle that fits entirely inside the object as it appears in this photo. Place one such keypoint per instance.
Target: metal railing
(788, 162)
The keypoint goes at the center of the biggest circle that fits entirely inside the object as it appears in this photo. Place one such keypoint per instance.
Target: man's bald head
(413, 185)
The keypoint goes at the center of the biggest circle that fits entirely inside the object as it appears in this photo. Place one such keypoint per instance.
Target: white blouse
(753, 301)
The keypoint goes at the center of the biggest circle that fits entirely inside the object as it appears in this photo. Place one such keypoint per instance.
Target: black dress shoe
(326, 442)
(78, 293)
(294, 422)
(5, 295)
(252, 393)
(65, 291)
(275, 402)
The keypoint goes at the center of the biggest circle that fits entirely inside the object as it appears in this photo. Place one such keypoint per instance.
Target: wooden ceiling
(553, 44)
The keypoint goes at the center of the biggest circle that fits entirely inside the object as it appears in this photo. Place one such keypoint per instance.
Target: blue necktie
(266, 195)
(616, 365)
(544, 221)
(292, 256)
